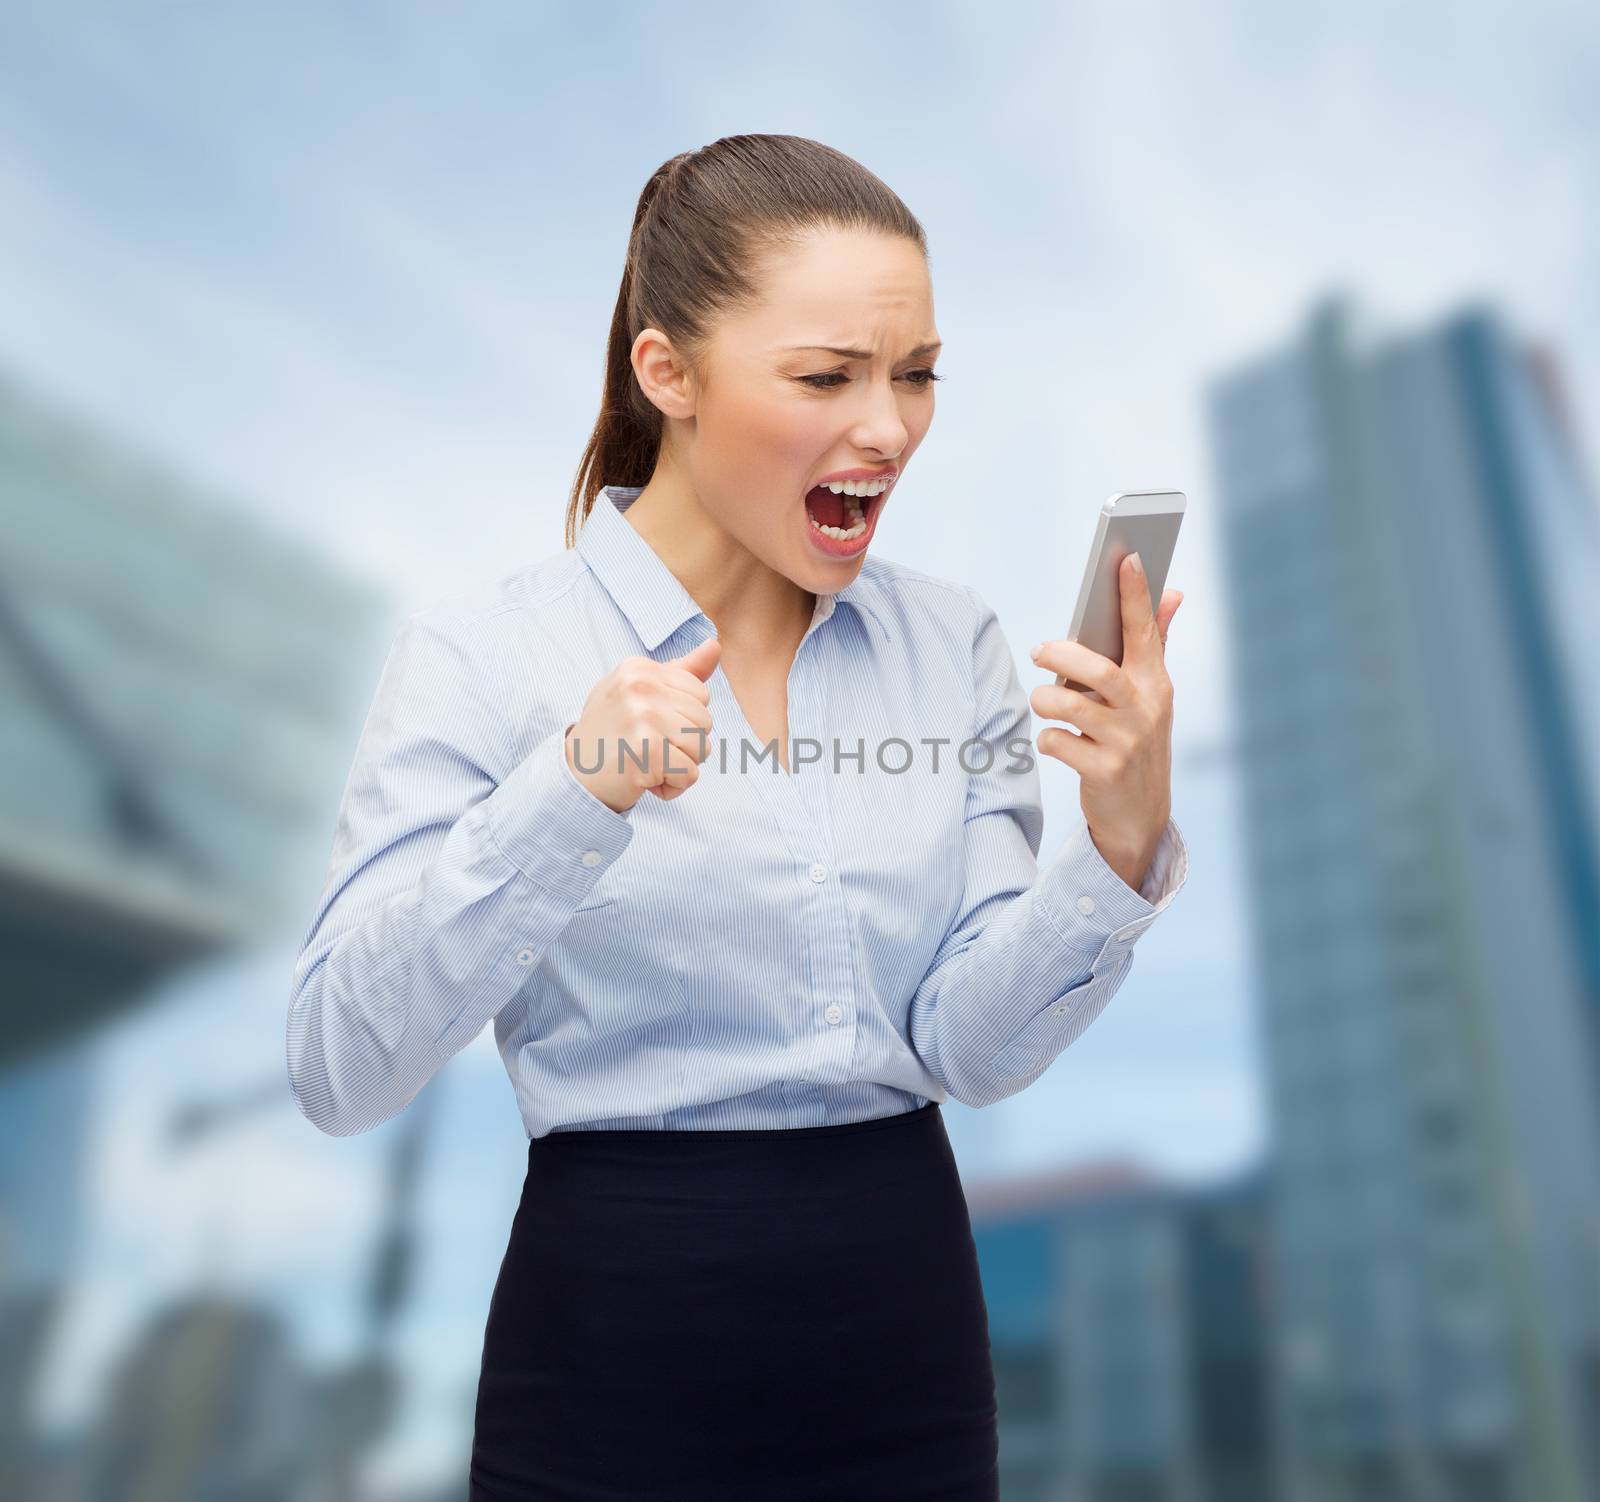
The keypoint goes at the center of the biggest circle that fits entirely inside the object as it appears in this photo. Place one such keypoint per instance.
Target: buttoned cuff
(551, 827)
(1094, 909)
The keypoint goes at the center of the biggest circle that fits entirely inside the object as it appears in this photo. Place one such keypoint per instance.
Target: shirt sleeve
(1032, 957)
(447, 884)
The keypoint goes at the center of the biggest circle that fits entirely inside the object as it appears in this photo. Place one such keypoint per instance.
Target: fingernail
(1138, 567)
(1036, 651)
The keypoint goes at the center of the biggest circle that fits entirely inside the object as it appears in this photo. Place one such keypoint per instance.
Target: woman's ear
(665, 379)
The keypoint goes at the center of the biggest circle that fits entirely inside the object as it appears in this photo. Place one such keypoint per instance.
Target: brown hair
(705, 221)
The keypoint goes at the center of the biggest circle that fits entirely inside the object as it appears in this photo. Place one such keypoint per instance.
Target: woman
(733, 973)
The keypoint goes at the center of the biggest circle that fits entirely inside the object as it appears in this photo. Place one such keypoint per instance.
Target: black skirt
(761, 1315)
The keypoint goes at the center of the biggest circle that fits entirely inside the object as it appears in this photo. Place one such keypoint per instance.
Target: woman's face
(780, 409)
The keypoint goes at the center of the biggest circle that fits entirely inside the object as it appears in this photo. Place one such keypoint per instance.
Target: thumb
(701, 660)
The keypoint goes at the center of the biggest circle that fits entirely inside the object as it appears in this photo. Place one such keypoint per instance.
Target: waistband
(669, 1137)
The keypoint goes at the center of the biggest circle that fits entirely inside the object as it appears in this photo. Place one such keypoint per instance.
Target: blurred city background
(302, 315)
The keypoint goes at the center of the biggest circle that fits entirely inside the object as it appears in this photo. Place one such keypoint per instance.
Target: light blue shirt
(845, 940)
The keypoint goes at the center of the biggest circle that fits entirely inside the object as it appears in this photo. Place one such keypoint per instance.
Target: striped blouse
(843, 940)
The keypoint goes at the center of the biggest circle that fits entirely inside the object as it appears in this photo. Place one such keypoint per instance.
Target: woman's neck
(756, 611)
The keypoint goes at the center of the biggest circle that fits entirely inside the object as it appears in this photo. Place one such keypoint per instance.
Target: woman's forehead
(852, 308)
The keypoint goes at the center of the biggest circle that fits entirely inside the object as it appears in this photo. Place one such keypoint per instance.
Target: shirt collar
(651, 595)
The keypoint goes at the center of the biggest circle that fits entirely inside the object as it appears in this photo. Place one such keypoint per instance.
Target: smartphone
(1145, 522)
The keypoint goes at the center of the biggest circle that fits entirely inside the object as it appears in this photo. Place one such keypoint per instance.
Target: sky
(353, 266)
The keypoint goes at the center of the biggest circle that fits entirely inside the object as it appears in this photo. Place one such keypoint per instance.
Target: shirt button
(819, 872)
(1086, 904)
(591, 857)
(524, 956)
(834, 1013)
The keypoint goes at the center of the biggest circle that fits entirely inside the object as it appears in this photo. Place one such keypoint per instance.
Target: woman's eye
(829, 381)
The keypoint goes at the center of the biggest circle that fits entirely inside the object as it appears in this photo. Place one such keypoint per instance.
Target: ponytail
(627, 436)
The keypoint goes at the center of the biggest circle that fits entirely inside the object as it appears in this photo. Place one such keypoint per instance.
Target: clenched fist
(640, 727)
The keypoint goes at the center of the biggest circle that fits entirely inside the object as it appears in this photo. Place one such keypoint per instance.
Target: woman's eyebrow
(866, 354)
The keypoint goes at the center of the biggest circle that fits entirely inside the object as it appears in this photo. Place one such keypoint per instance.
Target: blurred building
(1412, 552)
(1127, 1320)
(46, 1110)
(180, 686)
(210, 1405)
(177, 689)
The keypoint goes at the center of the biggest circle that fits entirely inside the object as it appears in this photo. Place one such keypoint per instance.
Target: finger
(682, 707)
(676, 763)
(1139, 634)
(668, 744)
(1075, 751)
(1071, 659)
(685, 681)
(686, 745)
(701, 660)
(683, 774)
(1058, 743)
(1170, 600)
(671, 707)
(1052, 702)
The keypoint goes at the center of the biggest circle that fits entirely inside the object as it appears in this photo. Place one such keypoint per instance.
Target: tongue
(827, 507)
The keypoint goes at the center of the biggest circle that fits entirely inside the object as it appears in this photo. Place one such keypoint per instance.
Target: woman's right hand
(647, 706)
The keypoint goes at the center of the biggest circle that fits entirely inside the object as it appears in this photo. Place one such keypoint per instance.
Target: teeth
(843, 533)
(855, 490)
(858, 522)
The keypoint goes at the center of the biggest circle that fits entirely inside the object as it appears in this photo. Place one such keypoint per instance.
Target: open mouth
(841, 517)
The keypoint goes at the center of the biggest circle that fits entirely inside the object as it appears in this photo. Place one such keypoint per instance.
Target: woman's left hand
(1123, 757)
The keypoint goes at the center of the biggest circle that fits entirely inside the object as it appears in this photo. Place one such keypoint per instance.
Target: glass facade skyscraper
(1409, 544)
